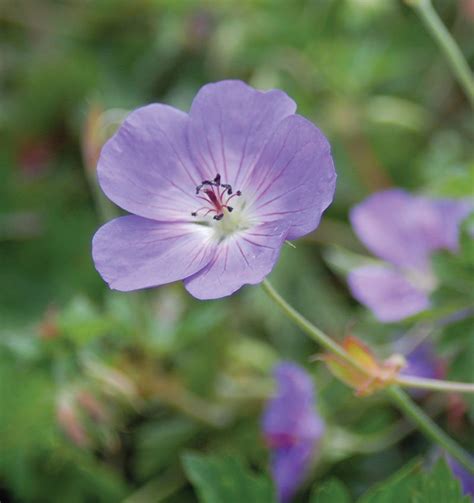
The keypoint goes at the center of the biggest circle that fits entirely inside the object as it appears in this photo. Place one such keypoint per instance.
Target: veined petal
(243, 258)
(387, 293)
(405, 229)
(294, 177)
(145, 167)
(133, 252)
(229, 125)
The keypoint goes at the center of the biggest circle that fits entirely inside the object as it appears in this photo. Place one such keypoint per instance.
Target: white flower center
(221, 208)
(424, 280)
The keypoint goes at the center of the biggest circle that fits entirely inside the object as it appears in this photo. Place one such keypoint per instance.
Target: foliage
(103, 395)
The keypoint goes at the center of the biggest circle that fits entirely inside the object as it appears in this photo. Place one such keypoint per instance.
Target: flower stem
(453, 54)
(315, 333)
(434, 384)
(423, 422)
(429, 427)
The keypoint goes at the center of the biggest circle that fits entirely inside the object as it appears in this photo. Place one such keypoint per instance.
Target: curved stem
(447, 44)
(424, 423)
(429, 427)
(315, 333)
(434, 384)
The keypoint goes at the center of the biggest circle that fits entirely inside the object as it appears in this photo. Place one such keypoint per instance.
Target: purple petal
(294, 178)
(451, 214)
(386, 292)
(133, 252)
(423, 362)
(291, 410)
(290, 466)
(243, 258)
(229, 125)
(405, 229)
(292, 428)
(145, 167)
(466, 478)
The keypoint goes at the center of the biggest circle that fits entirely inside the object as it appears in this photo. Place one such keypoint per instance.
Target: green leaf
(440, 485)
(400, 487)
(81, 322)
(224, 479)
(411, 485)
(332, 491)
(159, 442)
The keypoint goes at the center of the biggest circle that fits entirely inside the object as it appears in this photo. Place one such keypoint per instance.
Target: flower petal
(405, 229)
(244, 258)
(386, 293)
(466, 478)
(145, 167)
(294, 177)
(292, 428)
(133, 252)
(291, 411)
(290, 467)
(229, 125)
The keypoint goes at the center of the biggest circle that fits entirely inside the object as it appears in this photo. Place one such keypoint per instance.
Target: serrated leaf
(440, 485)
(224, 479)
(400, 487)
(332, 491)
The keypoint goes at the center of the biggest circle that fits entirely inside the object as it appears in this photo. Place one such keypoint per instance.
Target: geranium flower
(214, 193)
(403, 230)
(292, 428)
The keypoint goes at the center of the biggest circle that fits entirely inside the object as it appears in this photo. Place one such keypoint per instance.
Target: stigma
(216, 196)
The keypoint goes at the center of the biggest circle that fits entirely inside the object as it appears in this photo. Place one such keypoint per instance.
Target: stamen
(214, 198)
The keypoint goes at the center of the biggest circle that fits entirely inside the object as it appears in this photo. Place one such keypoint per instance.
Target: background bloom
(422, 361)
(403, 230)
(292, 428)
(214, 193)
(466, 478)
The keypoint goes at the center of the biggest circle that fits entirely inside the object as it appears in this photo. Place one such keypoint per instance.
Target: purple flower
(292, 428)
(423, 362)
(214, 193)
(403, 230)
(466, 478)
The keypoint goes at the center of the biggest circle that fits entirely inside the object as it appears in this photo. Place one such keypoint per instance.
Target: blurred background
(101, 393)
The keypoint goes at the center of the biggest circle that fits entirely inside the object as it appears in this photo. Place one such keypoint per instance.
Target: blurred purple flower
(423, 362)
(466, 478)
(292, 428)
(404, 230)
(214, 193)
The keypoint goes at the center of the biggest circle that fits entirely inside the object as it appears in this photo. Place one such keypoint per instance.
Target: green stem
(318, 335)
(434, 384)
(424, 423)
(429, 427)
(453, 54)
